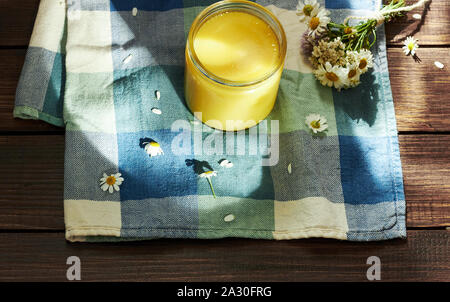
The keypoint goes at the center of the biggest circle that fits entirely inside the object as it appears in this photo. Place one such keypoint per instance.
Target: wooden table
(32, 245)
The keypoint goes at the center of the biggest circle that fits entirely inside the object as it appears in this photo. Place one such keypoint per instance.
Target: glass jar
(220, 93)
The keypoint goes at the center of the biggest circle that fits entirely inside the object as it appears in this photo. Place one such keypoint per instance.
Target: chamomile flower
(411, 46)
(208, 175)
(331, 75)
(316, 122)
(353, 74)
(111, 182)
(153, 149)
(307, 9)
(318, 23)
(364, 59)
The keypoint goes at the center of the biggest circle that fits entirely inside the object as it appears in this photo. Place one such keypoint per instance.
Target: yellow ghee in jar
(234, 82)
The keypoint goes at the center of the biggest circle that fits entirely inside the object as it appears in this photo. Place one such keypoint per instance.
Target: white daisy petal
(114, 181)
(316, 123)
(104, 187)
(156, 111)
(307, 9)
(331, 76)
(127, 59)
(438, 64)
(224, 162)
(317, 24)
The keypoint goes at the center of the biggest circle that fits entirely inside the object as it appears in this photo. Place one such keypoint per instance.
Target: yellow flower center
(314, 23)
(208, 172)
(351, 73)
(411, 46)
(331, 76)
(110, 180)
(348, 30)
(154, 144)
(307, 9)
(315, 124)
(362, 63)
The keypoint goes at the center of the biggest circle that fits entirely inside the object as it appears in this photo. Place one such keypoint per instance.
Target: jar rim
(229, 4)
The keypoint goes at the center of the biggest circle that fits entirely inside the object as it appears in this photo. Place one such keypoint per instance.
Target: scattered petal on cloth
(346, 184)
(156, 111)
(226, 163)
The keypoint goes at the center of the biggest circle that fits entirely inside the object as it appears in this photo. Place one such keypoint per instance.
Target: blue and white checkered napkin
(93, 66)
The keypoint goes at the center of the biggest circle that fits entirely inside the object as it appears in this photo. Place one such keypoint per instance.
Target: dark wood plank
(424, 256)
(432, 29)
(17, 19)
(31, 181)
(419, 89)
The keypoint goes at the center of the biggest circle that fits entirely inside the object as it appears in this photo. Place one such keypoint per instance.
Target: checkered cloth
(93, 66)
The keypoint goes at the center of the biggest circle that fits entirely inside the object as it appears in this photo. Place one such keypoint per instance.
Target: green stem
(364, 34)
(212, 189)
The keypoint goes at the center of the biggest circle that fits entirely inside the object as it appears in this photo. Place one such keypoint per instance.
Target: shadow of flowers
(198, 166)
(361, 103)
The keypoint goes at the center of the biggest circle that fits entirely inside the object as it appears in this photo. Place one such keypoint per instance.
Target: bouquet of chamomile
(340, 53)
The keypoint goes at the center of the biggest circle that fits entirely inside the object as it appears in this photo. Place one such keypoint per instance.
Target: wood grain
(17, 19)
(424, 256)
(432, 29)
(426, 174)
(420, 91)
(31, 181)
